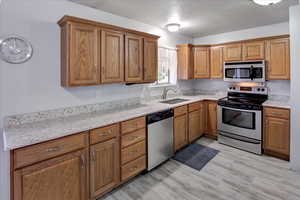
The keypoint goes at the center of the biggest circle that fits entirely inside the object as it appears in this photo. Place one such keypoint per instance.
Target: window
(167, 66)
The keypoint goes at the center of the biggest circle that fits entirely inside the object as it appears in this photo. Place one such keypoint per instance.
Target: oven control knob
(258, 89)
(233, 88)
(263, 89)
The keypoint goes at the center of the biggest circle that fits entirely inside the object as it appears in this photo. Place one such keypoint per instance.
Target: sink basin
(174, 101)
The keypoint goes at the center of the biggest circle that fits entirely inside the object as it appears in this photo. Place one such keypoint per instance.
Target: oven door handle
(232, 136)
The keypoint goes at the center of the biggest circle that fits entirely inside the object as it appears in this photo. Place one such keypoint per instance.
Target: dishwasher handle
(155, 117)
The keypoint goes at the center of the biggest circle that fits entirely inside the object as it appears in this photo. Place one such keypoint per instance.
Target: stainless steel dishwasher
(160, 137)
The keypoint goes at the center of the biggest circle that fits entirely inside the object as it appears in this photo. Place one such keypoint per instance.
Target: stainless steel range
(240, 118)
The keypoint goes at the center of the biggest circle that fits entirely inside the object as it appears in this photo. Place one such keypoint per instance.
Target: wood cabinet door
(185, 63)
(211, 118)
(64, 177)
(216, 62)
(202, 119)
(112, 56)
(254, 50)
(133, 58)
(84, 55)
(201, 62)
(233, 52)
(278, 59)
(104, 167)
(180, 132)
(277, 135)
(150, 60)
(194, 125)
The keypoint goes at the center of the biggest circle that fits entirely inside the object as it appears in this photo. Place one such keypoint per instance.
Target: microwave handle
(251, 73)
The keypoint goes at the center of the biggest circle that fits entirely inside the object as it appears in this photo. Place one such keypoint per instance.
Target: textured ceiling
(197, 17)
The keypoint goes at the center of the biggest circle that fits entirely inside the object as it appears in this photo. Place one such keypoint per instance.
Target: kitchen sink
(174, 101)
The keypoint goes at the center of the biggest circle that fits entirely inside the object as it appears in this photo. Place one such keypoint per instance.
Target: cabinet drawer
(180, 110)
(134, 124)
(133, 168)
(194, 106)
(277, 112)
(104, 133)
(43, 151)
(132, 152)
(133, 137)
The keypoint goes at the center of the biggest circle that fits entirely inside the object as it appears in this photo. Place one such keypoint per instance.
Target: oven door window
(238, 73)
(241, 119)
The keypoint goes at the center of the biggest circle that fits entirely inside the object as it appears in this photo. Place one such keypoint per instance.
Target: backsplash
(279, 88)
(276, 88)
(70, 111)
(210, 85)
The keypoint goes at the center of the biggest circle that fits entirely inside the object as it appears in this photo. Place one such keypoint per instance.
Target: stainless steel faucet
(165, 92)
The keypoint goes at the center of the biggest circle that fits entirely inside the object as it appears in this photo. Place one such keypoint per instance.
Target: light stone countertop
(278, 103)
(21, 135)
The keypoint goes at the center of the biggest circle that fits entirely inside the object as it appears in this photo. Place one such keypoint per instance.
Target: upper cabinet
(185, 64)
(112, 56)
(251, 50)
(192, 62)
(133, 58)
(80, 50)
(278, 59)
(254, 50)
(94, 53)
(150, 60)
(233, 52)
(216, 62)
(201, 62)
(207, 61)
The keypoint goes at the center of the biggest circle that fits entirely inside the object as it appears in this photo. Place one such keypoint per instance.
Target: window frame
(172, 70)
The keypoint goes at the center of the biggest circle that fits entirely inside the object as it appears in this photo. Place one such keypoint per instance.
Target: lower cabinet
(104, 167)
(180, 127)
(60, 178)
(195, 121)
(277, 132)
(211, 119)
(133, 148)
(82, 166)
(132, 168)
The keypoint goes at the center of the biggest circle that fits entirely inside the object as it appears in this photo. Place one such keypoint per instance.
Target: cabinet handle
(134, 137)
(132, 169)
(105, 133)
(276, 114)
(132, 152)
(93, 156)
(53, 149)
(82, 161)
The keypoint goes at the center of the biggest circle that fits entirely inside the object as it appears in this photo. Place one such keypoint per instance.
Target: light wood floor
(231, 175)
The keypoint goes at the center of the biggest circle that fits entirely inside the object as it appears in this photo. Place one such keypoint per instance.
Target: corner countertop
(278, 101)
(278, 104)
(18, 136)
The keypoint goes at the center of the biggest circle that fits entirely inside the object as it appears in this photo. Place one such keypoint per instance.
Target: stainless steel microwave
(248, 71)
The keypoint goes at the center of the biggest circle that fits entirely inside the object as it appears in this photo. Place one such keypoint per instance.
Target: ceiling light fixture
(173, 27)
(266, 2)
